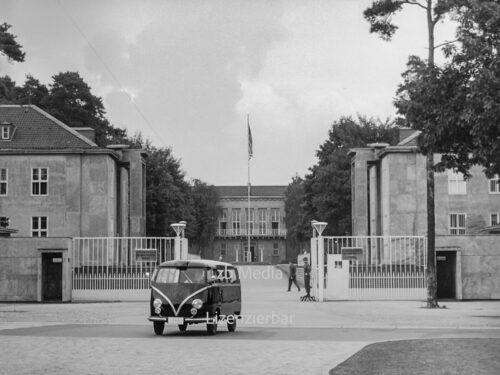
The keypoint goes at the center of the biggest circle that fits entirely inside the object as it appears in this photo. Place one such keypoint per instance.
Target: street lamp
(178, 227)
(179, 231)
(319, 226)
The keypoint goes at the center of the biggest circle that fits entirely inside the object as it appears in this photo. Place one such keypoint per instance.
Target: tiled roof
(37, 130)
(255, 191)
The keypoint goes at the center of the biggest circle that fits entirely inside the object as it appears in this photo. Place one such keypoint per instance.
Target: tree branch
(415, 2)
(446, 43)
(436, 19)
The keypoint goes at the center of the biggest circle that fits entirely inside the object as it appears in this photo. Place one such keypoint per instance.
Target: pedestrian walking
(292, 278)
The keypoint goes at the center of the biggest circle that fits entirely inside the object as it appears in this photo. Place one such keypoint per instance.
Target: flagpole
(249, 214)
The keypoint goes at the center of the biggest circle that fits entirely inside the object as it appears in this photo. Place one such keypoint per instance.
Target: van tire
(183, 327)
(158, 328)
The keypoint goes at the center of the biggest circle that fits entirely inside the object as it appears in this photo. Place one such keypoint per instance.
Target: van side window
(222, 274)
(214, 273)
(236, 276)
(232, 275)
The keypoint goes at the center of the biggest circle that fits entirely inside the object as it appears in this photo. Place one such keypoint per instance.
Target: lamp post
(179, 231)
(319, 227)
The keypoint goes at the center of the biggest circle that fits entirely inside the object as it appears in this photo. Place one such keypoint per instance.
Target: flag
(250, 142)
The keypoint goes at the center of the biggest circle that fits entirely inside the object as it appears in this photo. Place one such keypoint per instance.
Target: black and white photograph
(249, 187)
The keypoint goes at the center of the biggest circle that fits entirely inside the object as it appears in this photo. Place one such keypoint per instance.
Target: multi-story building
(263, 225)
(389, 199)
(56, 184)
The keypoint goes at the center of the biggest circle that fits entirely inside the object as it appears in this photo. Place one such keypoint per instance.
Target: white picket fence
(382, 267)
(116, 268)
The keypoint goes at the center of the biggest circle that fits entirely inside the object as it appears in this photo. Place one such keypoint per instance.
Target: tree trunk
(431, 276)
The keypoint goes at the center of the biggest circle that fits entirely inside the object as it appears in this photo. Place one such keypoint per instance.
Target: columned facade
(262, 226)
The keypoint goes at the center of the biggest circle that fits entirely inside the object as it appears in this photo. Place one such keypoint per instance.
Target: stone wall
(480, 263)
(21, 267)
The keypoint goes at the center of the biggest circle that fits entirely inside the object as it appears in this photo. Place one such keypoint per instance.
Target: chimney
(405, 133)
(88, 133)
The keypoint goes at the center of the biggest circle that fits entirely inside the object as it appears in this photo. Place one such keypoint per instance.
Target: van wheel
(158, 327)
(183, 327)
(231, 327)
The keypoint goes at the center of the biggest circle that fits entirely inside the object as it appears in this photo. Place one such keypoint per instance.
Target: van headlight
(197, 303)
(157, 303)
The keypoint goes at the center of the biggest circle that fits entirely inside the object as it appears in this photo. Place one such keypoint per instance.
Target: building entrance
(52, 276)
(446, 268)
(251, 256)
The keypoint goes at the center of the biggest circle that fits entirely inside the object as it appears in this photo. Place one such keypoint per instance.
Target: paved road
(280, 335)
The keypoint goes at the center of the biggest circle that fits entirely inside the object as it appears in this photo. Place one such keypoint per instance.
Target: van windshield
(181, 275)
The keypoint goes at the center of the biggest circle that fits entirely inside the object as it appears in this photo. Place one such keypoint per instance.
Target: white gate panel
(116, 268)
(380, 267)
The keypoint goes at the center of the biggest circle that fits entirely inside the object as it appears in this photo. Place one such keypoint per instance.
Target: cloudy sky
(186, 73)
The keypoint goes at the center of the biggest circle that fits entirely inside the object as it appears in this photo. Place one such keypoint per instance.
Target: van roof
(195, 263)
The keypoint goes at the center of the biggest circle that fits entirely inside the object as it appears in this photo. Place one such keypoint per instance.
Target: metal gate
(374, 267)
(117, 268)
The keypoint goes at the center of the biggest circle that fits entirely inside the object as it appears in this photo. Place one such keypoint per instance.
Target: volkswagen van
(186, 292)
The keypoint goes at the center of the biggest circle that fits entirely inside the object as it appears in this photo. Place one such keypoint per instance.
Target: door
(446, 268)
(52, 276)
(250, 256)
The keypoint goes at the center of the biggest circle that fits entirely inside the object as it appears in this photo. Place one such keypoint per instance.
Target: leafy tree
(379, 16)
(325, 193)
(464, 94)
(206, 212)
(327, 187)
(168, 196)
(297, 223)
(9, 46)
(70, 100)
(32, 92)
(8, 90)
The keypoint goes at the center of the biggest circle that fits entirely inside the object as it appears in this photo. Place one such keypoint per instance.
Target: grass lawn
(429, 357)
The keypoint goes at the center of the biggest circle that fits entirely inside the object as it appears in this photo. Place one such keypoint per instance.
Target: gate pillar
(319, 258)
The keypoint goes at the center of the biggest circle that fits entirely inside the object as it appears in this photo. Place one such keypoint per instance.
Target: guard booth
(368, 267)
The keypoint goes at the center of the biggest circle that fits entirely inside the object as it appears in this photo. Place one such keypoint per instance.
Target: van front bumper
(186, 320)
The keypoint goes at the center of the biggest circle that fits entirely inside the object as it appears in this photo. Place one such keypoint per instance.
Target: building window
(276, 249)
(223, 249)
(494, 184)
(250, 220)
(262, 220)
(39, 181)
(236, 220)
(495, 219)
(3, 181)
(457, 223)
(275, 220)
(456, 183)
(5, 132)
(223, 221)
(39, 226)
